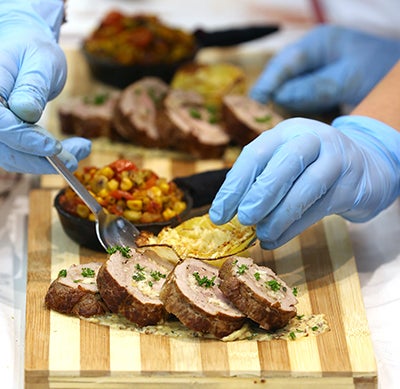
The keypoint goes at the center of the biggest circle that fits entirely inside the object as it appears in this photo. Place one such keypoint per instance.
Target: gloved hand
(330, 67)
(302, 170)
(32, 71)
(23, 145)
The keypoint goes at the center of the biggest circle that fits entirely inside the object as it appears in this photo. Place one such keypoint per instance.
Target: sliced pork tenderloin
(245, 118)
(138, 113)
(258, 292)
(89, 116)
(191, 293)
(194, 128)
(130, 285)
(75, 291)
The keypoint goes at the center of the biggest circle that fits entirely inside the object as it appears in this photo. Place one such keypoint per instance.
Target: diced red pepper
(122, 165)
(121, 194)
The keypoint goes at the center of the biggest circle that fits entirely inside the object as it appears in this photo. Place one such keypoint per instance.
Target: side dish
(139, 195)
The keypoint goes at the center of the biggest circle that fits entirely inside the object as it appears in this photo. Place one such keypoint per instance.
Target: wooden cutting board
(65, 352)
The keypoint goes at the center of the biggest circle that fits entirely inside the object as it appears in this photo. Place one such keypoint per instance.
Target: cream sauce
(299, 327)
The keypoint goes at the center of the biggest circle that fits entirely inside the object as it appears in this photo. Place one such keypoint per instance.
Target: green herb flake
(242, 269)
(263, 119)
(154, 95)
(194, 113)
(88, 272)
(295, 291)
(273, 284)
(125, 251)
(150, 284)
(257, 276)
(315, 328)
(292, 335)
(157, 275)
(204, 281)
(98, 99)
(138, 276)
(299, 317)
(78, 280)
(62, 273)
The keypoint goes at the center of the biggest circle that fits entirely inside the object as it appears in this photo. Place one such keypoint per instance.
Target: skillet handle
(202, 186)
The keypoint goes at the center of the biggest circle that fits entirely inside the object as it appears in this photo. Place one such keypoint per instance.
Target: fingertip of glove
(215, 215)
(25, 107)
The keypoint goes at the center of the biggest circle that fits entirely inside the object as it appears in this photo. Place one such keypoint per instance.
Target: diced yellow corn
(154, 192)
(92, 217)
(135, 205)
(179, 206)
(131, 215)
(168, 214)
(126, 183)
(164, 186)
(112, 184)
(83, 211)
(107, 171)
(103, 193)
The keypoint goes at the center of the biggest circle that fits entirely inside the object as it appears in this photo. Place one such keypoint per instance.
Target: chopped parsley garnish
(213, 114)
(242, 269)
(299, 317)
(194, 113)
(154, 96)
(273, 284)
(292, 335)
(204, 281)
(125, 251)
(315, 328)
(257, 276)
(139, 274)
(62, 273)
(88, 272)
(295, 291)
(98, 99)
(150, 284)
(263, 119)
(157, 275)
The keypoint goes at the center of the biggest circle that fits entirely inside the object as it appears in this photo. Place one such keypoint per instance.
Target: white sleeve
(373, 16)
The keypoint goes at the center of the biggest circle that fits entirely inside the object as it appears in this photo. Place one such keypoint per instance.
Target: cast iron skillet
(112, 73)
(83, 231)
(199, 191)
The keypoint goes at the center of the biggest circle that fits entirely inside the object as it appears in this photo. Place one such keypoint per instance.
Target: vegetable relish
(139, 39)
(139, 195)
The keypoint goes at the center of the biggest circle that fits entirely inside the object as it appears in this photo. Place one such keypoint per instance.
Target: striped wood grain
(61, 350)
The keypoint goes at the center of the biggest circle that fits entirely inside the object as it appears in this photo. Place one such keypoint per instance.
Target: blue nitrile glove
(302, 170)
(330, 67)
(22, 146)
(32, 71)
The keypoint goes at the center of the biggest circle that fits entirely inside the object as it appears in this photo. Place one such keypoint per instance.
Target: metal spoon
(111, 230)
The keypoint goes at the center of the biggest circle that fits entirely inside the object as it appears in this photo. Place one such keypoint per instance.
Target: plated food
(121, 188)
(199, 238)
(140, 195)
(199, 121)
(138, 39)
(212, 81)
(125, 47)
(155, 296)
